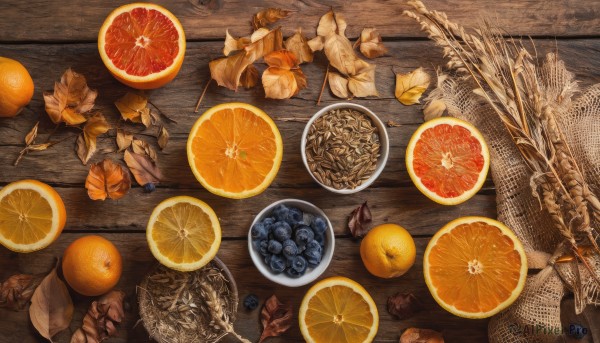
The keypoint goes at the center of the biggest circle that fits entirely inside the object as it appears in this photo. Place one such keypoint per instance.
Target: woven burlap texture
(579, 115)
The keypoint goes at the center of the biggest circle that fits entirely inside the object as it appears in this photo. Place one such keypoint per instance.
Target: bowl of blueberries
(291, 242)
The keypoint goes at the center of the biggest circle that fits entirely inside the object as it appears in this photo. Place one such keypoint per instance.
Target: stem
(202, 96)
(239, 337)
(323, 86)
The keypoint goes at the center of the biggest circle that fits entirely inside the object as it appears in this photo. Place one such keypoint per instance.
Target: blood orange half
(142, 45)
(448, 160)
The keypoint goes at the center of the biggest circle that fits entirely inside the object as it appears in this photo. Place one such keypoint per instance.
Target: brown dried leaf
(370, 43)
(31, 136)
(316, 44)
(340, 54)
(276, 318)
(414, 335)
(338, 85)
(143, 169)
(143, 148)
(363, 83)
(124, 139)
(133, 107)
(234, 44)
(102, 319)
(391, 123)
(410, 87)
(331, 23)
(259, 34)
(40, 147)
(51, 307)
(70, 99)
(283, 79)
(227, 71)
(358, 220)
(86, 142)
(434, 109)
(16, 291)
(268, 16)
(298, 45)
(107, 179)
(403, 305)
(249, 77)
(163, 137)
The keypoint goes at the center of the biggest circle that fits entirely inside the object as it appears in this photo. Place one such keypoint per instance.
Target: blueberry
(274, 247)
(294, 216)
(313, 256)
(258, 232)
(313, 245)
(303, 235)
(149, 187)
(277, 264)
(251, 302)
(262, 247)
(267, 258)
(280, 212)
(320, 239)
(308, 218)
(319, 225)
(267, 222)
(291, 272)
(290, 249)
(299, 264)
(281, 231)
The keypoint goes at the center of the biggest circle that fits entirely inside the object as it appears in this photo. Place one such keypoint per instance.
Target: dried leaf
(358, 220)
(298, 45)
(249, 77)
(414, 335)
(338, 85)
(124, 139)
(133, 107)
(102, 319)
(143, 169)
(403, 305)
(227, 71)
(363, 83)
(283, 79)
(434, 109)
(107, 179)
(316, 44)
(86, 142)
(70, 99)
(40, 147)
(259, 34)
(276, 318)
(410, 87)
(268, 16)
(340, 54)
(163, 137)
(370, 43)
(234, 44)
(16, 291)
(391, 123)
(51, 307)
(331, 23)
(31, 136)
(283, 59)
(143, 148)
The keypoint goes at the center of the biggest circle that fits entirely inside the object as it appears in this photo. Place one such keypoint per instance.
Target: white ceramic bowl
(383, 140)
(311, 273)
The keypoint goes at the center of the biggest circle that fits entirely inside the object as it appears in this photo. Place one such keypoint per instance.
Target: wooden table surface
(50, 36)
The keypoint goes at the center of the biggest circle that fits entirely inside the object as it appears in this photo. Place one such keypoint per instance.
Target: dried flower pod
(414, 335)
(403, 305)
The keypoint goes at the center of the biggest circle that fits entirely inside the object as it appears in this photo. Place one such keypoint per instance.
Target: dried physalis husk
(298, 45)
(107, 179)
(134, 107)
(370, 43)
(410, 87)
(283, 79)
(86, 142)
(233, 44)
(414, 335)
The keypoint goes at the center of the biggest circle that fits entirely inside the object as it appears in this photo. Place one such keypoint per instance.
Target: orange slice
(475, 267)
(448, 160)
(235, 150)
(338, 310)
(32, 215)
(183, 233)
(142, 45)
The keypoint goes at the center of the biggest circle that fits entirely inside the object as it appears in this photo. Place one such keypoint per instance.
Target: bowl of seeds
(344, 147)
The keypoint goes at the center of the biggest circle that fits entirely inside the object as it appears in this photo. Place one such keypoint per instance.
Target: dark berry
(263, 247)
(319, 225)
(274, 247)
(251, 302)
(267, 222)
(313, 256)
(299, 264)
(313, 245)
(258, 231)
(308, 218)
(294, 216)
(277, 264)
(290, 249)
(281, 231)
(267, 258)
(280, 212)
(320, 239)
(149, 187)
(291, 272)
(303, 235)
(577, 331)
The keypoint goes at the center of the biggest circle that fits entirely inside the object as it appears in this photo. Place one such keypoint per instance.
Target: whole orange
(92, 265)
(16, 87)
(388, 251)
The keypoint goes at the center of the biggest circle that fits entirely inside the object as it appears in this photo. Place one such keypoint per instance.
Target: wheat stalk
(506, 76)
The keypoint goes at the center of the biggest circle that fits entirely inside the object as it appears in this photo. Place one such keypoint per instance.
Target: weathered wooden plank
(202, 19)
(137, 259)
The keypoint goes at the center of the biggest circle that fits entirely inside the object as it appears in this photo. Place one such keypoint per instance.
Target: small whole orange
(388, 251)
(92, 265)
(16, 87)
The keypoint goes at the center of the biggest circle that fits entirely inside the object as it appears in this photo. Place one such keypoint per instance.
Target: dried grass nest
(197, 306)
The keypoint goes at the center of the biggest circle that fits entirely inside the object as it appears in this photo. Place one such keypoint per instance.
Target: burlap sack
(535, 316)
